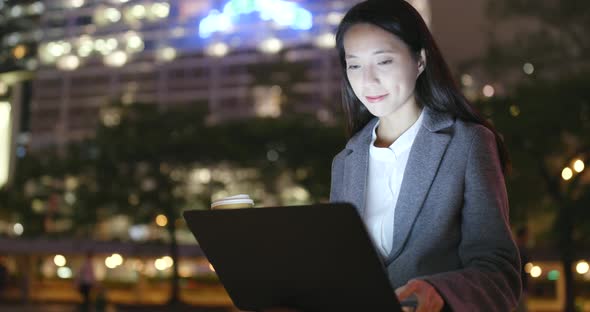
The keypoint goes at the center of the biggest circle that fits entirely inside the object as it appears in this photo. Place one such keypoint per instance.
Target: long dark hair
(435, 87)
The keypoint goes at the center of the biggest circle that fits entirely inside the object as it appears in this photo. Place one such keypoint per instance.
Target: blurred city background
(117, 115)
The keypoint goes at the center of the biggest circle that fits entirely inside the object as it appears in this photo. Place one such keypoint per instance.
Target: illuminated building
(19, 34)
(180, 52)
(5, 141)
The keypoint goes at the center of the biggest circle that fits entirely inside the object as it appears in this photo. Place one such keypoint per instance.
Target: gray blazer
(451, 225)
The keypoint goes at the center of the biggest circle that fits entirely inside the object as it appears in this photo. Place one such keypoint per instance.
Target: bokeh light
(59, 260)
(567, 173)
(536, 271)
(582, 267)
(161, 220)
(488, 91)
(579, 165)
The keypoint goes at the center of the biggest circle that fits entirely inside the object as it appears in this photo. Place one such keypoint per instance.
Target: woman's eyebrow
(349, 56)
(384, 51)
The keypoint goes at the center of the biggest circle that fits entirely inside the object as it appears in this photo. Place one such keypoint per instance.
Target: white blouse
(386, 172)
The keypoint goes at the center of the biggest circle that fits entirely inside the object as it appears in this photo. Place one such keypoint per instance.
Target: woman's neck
(391, 127)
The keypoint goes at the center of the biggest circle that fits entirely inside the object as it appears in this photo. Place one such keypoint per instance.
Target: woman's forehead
(368, 38)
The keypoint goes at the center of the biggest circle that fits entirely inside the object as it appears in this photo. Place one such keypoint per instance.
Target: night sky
(459, 28)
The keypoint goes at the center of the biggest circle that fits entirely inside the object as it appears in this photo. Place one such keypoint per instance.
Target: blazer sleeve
(337, 180)
(490, 278)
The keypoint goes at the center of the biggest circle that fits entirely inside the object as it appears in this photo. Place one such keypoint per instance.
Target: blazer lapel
(425, 156)
(356, 166)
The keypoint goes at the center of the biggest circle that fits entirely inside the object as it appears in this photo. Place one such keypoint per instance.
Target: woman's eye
(353, 66)
(385, 62)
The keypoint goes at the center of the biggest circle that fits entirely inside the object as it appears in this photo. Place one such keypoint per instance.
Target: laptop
(312, 258)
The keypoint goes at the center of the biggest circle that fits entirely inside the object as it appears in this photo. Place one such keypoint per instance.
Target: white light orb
(488, 91)
(64, 272)
(160, 9)
(271, 46)
(68, 62)
(18, 229)
(536, 271)
(528, 68)
(166, 54)
(59, 260)
(325, 41)
(218, 49)
(116, 59)
(76, 3)
(112, 15)
(582, 267)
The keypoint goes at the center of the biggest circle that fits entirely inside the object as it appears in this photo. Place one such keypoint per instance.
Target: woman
(423, 168)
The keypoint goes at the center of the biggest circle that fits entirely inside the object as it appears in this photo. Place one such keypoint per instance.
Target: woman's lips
(373, 99)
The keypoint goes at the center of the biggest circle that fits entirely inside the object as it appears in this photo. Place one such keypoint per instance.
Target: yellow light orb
(582, 267)
(110, 263)
(161, 220)
(567, 173)
(536, 271)
(579, 165)
(117, 259)
(160, 264)
(168, 261)
(528, 267)
(514, 111)
(19, 51)
(467, 80)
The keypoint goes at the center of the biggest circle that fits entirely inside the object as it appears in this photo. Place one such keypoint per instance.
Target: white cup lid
(237, 199)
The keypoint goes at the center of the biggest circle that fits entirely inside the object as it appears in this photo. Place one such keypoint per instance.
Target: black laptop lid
(314, 258)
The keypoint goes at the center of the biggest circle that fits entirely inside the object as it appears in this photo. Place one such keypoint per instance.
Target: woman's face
(381, 69)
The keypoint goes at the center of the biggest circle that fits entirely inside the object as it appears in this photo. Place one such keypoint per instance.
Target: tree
(550, 34)
(129, 168)
(544, 116)
(158, 141)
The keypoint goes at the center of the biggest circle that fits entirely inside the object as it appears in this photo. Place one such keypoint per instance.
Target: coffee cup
(233, 202)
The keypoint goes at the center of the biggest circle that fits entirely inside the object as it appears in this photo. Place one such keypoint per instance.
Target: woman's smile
(374, 99)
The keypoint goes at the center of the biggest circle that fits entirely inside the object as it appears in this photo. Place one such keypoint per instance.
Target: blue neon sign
(284, 13)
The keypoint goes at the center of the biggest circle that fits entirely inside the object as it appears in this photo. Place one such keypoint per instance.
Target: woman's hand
(428, 298)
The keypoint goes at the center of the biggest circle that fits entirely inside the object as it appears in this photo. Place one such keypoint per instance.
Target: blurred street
(54, 307)
(61, 296)
(67, 307)
(118, 116)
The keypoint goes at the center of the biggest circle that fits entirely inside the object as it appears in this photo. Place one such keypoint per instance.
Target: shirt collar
(433, 121)
(404, 142)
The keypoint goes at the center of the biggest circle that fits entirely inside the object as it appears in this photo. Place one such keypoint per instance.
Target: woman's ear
(421, 62)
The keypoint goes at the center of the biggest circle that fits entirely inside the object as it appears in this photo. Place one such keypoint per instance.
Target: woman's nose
(369, 75)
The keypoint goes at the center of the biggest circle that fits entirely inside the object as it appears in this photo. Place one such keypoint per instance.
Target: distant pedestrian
(101, 299)
(86, 280)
